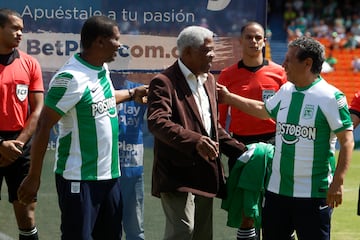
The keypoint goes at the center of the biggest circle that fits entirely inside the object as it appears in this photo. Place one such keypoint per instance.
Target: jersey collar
(7, 59)
(252, 69)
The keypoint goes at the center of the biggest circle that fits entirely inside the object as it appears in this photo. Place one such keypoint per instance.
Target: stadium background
(149, 30)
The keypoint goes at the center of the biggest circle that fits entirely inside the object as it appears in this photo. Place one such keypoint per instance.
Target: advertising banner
(148, 31)
(148, 28)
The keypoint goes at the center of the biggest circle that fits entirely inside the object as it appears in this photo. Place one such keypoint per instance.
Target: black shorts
(17, 171)
(14, 175)
(281, 215)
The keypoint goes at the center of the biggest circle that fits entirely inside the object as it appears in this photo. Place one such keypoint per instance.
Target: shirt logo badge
(308, 111)
(22, 91)
(267, 93)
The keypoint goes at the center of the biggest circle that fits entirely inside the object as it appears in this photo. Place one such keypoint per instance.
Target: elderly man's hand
(207, 148)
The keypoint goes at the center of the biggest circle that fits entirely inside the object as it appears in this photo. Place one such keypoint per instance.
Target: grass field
(345, 223)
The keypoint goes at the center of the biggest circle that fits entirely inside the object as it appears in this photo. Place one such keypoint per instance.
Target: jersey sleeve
(36, 83)
(273, 103)
(338, 120)
(63, 93)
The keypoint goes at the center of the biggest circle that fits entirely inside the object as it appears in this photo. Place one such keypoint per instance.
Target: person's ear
(308, 62)
(100, 41)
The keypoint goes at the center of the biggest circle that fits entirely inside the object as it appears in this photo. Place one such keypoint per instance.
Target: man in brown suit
(182, 116)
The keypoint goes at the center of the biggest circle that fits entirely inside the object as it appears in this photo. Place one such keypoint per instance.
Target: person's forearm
(343, 162)
(134, 94)
(36, 103)
(29, 128)
(355, 119)
(38, 150)
(335, 192)
(247, 105)
(48, 119)
(124, 95)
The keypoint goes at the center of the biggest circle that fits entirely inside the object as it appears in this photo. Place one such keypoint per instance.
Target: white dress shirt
(196, 85)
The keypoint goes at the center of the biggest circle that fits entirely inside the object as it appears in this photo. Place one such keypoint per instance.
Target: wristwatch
(131, 94)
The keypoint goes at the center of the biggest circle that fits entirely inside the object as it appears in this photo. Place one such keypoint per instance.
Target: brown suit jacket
(175, 122)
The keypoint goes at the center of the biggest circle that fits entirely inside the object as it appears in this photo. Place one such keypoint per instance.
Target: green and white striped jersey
(87, 145)
(306, 121)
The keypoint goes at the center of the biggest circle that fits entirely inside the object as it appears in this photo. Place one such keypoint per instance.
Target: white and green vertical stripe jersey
(87, 146)
(307, 120)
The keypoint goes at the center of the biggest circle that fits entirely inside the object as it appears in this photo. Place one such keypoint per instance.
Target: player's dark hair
(310, 48)
(4, 15)
(94, 27)
(251, 23)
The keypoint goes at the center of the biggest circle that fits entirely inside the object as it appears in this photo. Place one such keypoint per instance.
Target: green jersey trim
(82, 61)
(319, 78)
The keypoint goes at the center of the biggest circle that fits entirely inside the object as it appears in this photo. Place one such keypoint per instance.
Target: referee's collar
(252, 69)
(7, 59)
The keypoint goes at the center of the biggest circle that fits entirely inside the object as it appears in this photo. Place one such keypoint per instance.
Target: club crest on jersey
(22, 91)
(308, 112)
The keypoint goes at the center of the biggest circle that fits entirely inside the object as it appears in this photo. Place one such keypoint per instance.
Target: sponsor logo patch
(22, 91)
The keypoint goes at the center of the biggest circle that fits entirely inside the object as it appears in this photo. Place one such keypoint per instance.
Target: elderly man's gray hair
(192, 36)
